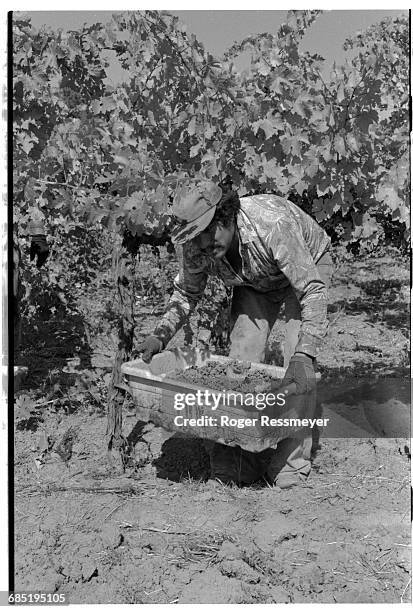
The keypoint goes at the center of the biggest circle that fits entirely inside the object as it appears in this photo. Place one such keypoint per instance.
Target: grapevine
(95, 155)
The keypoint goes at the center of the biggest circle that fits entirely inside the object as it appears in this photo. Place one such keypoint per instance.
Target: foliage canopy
(89, 152)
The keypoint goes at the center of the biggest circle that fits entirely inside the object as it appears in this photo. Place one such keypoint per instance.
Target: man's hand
(149, 347)
(301, 372)
(40, 249)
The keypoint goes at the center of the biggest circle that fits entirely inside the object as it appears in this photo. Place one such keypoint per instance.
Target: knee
(248, 340)
(292, 330)
(293, 324)
(247, 352)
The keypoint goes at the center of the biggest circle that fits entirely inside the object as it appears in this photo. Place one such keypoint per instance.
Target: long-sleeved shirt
(279, 245)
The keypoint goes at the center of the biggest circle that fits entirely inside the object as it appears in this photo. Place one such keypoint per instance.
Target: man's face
(215, 240)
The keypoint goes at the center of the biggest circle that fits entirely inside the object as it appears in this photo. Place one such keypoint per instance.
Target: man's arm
(189, 286)
(294, 260)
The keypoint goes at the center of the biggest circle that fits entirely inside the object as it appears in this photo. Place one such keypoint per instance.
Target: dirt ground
(164, 533)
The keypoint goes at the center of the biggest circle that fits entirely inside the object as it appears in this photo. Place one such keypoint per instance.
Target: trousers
(253, 315)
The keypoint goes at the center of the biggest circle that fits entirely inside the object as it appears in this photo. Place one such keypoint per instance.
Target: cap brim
(193, 228)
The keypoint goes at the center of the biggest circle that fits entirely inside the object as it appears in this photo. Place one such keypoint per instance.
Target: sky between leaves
(218, 29)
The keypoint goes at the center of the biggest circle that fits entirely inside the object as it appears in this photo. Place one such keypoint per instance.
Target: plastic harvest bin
(154, 388)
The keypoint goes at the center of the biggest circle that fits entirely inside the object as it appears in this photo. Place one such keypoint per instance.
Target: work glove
(149, 347)
(301, 372)
(40, 249)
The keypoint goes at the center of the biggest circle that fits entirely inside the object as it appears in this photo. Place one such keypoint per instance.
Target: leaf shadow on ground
(380, 303)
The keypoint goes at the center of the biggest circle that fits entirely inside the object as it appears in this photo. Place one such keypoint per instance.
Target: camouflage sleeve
(189, 286)
(294, 260)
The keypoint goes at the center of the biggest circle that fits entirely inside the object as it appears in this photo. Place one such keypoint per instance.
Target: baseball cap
(193, 209)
